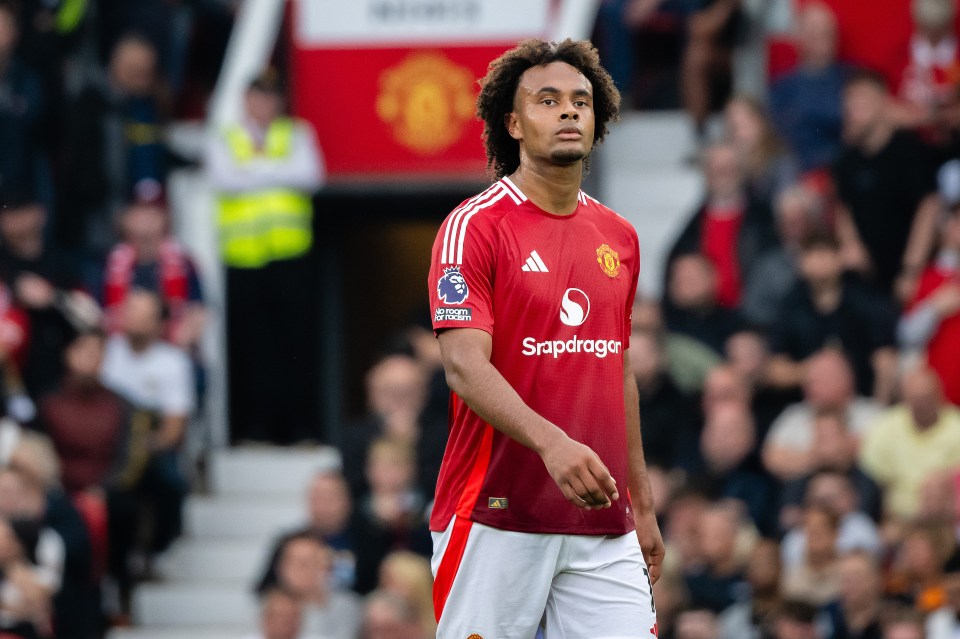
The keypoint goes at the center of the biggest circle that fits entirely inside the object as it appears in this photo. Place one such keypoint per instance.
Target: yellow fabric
(900, 458)
(262, 226)
(70, 15)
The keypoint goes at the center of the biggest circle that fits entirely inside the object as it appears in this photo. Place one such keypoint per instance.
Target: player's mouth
(569, 133)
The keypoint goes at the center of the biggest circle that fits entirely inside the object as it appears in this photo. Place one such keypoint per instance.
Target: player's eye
(580, 103)
(549, 101)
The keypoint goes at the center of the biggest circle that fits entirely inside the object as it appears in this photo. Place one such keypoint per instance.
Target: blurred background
(223, 407)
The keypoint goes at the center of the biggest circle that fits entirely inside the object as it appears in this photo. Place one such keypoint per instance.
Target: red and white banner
(391, 85)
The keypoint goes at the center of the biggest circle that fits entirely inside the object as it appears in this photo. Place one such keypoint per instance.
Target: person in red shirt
(543, 486)
(730, 229)
(931, 321)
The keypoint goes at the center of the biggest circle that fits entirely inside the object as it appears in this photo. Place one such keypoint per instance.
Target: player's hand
(651, 542)
(581, 476)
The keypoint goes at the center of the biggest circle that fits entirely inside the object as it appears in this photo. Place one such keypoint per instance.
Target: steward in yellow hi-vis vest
(269, 224)
(265, 170)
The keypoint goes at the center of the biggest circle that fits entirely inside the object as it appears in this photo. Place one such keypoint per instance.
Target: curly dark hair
(498, 89)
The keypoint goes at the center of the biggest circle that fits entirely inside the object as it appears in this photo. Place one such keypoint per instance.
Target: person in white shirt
(828, 385)
(156, 378)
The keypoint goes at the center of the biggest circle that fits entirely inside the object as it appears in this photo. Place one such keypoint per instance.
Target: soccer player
(543, 507)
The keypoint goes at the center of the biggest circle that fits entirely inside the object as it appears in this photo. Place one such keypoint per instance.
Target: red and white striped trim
(513, 190)
(453, 237)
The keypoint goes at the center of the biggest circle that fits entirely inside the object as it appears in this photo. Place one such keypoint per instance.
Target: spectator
(408, 576)
(63, 553)
(834, 452)
(688, 361)
(266, 168)
(793, 620)
(743, 620)
(150, 259)
(856, 613)
(931, 320)
(944, 623)
(768, 166)
(692, 308)
(828, 309)
(22, 501)
(97, 437)
(281, 616)
(806, 104)
(304, 571)
(815, 579)
(775, 272)
(833, 492)
(154, 377)
(668, 424)
(45, 284)
(748, 358)
(697, 624)
(683, 515)
(911, 441)
(113, 147)
(706, 66)
(24, 597)
(391, 513)
(885, 183)
(387, 616)
(332, 519)
(396, 398)
(729, 229)
(930, 79)
(918, 566)
(89, 425)
(719, 581)
(828, 386)
(730, 469)
(903, 623)
(330, 511)
(21, 110)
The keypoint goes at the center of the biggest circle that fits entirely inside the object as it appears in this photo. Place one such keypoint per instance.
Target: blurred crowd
(101, 309)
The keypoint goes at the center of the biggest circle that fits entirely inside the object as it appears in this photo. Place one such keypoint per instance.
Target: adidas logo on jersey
(534, 264)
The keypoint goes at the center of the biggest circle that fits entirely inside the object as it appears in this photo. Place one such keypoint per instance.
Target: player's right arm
(577, 470)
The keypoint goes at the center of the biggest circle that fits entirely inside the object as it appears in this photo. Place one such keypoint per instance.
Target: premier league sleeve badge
(452, 287)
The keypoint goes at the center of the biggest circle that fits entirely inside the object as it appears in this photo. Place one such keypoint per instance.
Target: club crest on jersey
(452, 287)
(609, 260)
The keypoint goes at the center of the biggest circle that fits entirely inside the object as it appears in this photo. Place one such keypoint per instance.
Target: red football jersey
(555, 293)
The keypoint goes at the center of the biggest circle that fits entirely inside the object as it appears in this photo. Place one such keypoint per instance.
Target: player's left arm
(641, 496)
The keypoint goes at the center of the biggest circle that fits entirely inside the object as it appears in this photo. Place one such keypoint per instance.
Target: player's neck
(555, 189)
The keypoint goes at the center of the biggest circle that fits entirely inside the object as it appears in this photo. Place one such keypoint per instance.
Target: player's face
(553, 114)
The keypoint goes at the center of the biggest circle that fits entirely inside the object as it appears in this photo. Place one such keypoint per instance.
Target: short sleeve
(179, 399)
(462, 269)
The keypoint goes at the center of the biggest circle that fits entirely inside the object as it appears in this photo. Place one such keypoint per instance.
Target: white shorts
(500, 584)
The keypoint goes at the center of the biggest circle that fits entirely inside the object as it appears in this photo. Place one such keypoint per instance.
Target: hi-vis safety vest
(259, 227)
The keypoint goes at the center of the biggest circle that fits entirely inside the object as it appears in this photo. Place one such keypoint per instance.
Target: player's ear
(511, 121)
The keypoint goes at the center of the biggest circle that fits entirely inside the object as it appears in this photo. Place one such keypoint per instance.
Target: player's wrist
(549, 438)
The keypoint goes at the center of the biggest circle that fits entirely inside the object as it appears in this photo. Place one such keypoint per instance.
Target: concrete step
(658, 203)
(180, 605)
(253, 518)
(235, 561)
(193, 632)
(268, 470)
(650, 139)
